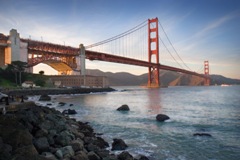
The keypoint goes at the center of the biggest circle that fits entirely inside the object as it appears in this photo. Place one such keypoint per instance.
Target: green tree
(40, 82)
(17, 67)
(41, 72)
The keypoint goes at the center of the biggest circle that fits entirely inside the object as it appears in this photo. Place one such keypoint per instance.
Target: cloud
(217, 23)
(195, 41)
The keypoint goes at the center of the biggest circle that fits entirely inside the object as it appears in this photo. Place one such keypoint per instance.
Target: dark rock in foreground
(123, 108)
(118, 144)
(125, 156)
(69, 111)
(61, 103)
(202, 134)
(162, 117)
(45, 97)
(34, 132)
(141, 157)
(39, 133)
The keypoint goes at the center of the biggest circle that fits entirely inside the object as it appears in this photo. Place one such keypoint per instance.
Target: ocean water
(214, 110)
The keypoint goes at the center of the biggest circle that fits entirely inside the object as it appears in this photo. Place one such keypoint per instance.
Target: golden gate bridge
(138, 46)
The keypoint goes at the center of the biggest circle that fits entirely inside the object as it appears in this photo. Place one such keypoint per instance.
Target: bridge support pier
(82, 60)
(82, 63)
(153, 77)
(153, 50)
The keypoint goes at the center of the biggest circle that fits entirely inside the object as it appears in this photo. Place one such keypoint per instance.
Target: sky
(198, 29)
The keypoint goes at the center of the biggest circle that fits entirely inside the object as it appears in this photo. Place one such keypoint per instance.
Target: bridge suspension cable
(170, 52)
(130, 44)
(172, 47)
(141, 25)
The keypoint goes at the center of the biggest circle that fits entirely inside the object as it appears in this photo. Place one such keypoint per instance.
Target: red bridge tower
(153, 50)
(206, 73)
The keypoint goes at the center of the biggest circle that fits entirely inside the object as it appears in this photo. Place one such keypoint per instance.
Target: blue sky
(198, 29)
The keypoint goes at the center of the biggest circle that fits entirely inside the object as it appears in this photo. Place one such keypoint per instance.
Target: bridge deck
(62, 50)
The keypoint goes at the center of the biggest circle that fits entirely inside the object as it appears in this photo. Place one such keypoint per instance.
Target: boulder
(45, 97)
(93, 156)
(41, 144)
(61, 103)
(41, 133)
(118, 144)
(125, 156)
(101, 143)
(25, 152)
(91, 147)
(67, 151)
(77, 145)
(59, 154)
(162, 117)
(123, 108)
(49, 155)
(80, 156)
(103, 153)
(69, 111)
(46, 125)
(64, 138)
(141, 157)
(86, 129)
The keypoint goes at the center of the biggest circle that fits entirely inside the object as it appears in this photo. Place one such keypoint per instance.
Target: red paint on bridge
(49, 51)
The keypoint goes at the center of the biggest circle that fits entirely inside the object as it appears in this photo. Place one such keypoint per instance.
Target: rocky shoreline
(55, 91)
(35, 132)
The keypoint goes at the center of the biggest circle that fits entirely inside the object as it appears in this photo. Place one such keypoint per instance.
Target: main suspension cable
(170, 52)
(141, 25)
(173, 46)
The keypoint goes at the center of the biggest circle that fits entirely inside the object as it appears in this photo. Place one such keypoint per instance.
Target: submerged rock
(61, 103)
(118, 144)
(162, 117)
(69, 111)
(202, 134)
(123, 108)
(45, 97)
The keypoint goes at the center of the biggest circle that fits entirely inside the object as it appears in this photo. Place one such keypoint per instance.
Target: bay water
(214, 110)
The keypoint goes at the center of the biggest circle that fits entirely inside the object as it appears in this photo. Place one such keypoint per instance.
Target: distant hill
(167, 78)
(218, 79)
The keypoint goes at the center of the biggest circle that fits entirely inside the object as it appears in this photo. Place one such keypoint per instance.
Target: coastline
(55, 91)
(30, 131)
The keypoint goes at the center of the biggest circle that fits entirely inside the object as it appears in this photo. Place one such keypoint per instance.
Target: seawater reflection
(154, 101)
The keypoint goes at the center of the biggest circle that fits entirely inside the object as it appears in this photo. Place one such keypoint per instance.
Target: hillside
(167, 78)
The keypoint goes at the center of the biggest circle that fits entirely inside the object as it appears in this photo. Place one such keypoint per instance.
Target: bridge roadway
(50, 48)
(92, 55)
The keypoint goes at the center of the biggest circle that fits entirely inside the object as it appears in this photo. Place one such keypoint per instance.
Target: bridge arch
(60, 67)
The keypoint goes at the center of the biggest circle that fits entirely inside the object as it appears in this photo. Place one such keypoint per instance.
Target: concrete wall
(79, 81)
(23, 52)
(19, 50)
(14, 45)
